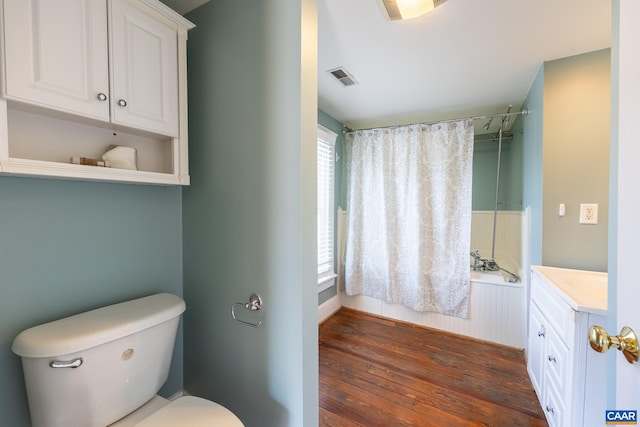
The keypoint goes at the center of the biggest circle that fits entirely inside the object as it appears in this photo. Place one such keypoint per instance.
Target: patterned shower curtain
(409, 215)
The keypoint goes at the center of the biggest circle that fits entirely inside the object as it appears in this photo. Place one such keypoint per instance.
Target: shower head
(505, 122)
(506, 118)
(488, 124)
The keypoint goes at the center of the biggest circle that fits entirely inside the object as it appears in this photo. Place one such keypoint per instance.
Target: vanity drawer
(558, 313)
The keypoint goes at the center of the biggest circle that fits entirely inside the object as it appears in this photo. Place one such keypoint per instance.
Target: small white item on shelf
(121, 157)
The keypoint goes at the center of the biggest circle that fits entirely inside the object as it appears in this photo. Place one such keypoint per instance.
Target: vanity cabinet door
(56, 55)
(144, 68)
(554, 408)
(538, 331)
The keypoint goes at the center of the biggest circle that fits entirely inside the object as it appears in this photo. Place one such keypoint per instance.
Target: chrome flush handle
(75, 363)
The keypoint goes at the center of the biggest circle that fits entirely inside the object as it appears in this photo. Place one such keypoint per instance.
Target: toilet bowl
(104, 367)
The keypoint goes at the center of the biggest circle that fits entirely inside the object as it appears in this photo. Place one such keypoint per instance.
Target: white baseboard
(329, 307)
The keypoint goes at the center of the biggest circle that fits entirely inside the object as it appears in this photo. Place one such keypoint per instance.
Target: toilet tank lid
(96, 327)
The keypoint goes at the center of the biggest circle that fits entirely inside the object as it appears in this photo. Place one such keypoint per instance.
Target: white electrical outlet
(588, 213)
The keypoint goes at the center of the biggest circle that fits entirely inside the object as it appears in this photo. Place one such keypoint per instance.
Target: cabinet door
(537, 349)
(56, 55)
(144, 68)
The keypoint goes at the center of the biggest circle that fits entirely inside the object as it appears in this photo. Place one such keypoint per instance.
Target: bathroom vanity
(568, 377)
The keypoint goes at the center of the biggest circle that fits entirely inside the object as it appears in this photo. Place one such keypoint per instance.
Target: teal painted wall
(532, 126)
(249, 215)
(514, 175)
(70, 246)
(567, 132)
(576, 133)
(485, 163)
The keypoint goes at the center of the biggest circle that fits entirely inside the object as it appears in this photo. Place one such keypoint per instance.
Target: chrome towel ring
(254, 304)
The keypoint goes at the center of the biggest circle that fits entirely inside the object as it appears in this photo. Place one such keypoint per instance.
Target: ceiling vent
(343, 76)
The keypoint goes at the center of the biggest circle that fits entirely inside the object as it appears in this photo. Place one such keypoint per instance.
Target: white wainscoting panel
(497, 314)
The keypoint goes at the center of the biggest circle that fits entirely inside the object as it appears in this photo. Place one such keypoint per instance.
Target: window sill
(326, 281)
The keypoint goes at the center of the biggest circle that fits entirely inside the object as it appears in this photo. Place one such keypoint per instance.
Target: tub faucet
(478, 263)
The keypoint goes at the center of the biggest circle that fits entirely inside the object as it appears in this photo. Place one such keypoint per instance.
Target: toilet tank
(91, 369)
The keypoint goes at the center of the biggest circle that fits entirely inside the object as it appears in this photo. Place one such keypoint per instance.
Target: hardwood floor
(381, 372)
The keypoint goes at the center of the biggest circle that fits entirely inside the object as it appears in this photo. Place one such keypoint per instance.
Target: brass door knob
(626, 342)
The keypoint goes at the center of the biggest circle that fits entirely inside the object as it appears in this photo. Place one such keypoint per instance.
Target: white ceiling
(465, 58)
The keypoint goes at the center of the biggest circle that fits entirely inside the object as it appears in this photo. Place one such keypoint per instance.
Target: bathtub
(497, 308)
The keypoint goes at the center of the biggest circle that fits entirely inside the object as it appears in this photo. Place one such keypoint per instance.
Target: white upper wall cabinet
(56, 55)
(144, 69)
(93, 73)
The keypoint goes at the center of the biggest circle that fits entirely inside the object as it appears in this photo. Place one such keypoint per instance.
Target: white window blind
(326, 169)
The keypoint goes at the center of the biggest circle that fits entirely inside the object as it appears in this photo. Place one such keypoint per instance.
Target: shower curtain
(409, 215)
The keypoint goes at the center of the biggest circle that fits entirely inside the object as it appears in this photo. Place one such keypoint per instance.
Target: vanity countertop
(583, 290)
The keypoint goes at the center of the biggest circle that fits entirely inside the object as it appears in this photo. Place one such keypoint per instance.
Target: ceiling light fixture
(407, 9)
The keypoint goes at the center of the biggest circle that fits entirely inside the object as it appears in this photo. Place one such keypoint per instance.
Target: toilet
(104, 367)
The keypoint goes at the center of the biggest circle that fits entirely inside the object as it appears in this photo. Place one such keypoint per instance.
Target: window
(326, 168)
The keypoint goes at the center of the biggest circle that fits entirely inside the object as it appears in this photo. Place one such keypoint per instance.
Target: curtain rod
(523, 112)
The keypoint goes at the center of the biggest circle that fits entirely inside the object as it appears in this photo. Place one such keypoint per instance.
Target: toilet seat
(186, 411)
(191, 411)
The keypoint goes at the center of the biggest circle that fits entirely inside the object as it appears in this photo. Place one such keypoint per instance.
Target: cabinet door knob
(552, 359)
(626, 342)
(541, 331)
(102, 97)
(122, 103)
(550, 409)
